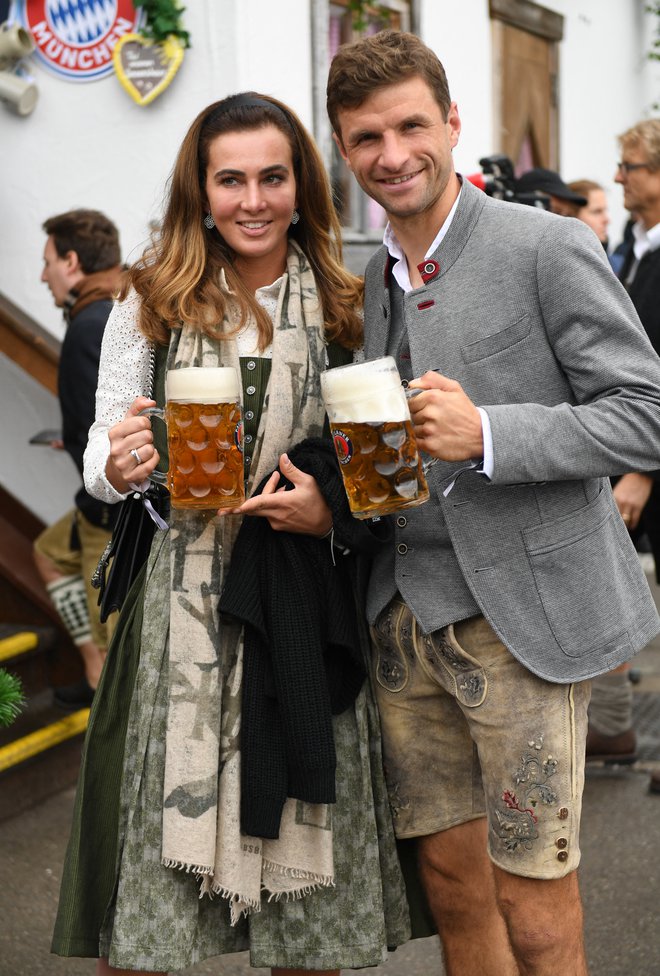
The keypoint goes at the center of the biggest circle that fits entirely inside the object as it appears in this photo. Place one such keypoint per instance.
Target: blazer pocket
(497, 341)
(584, 577)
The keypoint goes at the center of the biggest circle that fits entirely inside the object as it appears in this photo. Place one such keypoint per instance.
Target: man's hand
(447, 423)
(631, 493)
(300, 509)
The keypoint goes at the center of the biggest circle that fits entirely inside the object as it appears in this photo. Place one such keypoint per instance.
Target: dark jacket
(644, 291)
(304, 656)
(90, 307)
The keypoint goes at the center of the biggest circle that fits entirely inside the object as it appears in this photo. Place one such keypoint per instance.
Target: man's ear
(453, 124)
(73, 265)
(340, 147)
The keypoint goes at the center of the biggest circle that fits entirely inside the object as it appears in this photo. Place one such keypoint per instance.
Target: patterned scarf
(201, 806)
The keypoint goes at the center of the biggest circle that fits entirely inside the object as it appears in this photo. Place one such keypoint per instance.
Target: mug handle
(156, 477)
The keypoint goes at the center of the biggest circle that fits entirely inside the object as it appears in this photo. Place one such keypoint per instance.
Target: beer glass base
(390, 508)
(205, 505)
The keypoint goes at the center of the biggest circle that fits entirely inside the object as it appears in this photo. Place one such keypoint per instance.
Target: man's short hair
(644, 135)
(383, 59)
(89, 233)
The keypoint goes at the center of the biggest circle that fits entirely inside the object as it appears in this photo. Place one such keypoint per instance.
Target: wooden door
(525, 75)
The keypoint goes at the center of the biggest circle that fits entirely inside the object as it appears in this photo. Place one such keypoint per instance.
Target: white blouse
(124, 375)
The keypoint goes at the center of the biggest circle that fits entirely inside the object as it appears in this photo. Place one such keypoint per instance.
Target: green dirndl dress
(117, 900)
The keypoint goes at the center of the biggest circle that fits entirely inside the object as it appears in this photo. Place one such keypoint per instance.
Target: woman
(595, 212)
(246, 272)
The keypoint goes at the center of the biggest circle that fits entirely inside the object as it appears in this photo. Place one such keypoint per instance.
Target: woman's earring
(295, 217)
(209, 222)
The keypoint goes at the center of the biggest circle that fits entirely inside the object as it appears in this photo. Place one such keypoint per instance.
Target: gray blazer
(526, 314)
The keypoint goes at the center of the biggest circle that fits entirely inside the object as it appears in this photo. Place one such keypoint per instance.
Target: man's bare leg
(92, 655)
(458, 879)
(544, 922)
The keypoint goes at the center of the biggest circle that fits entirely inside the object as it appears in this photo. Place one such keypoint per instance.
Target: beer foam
(202, 384)
(365, 393)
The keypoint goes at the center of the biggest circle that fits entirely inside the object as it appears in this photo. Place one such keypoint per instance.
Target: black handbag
(127, 551)
(129, 546)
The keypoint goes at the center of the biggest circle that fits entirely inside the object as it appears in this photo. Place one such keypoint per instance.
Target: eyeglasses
(631, 167)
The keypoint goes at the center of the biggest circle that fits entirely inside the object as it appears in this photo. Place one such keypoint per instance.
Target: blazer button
(402, 548)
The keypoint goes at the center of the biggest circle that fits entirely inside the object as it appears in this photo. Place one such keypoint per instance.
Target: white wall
(90, 145)
(45, 480)
(606, 81)
(460, 36)
(607, 84)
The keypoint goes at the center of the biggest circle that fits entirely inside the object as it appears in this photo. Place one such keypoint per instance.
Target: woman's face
(251, 193)
(596, 214)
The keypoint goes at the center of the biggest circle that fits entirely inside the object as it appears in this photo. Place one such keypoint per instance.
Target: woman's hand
(133, 433)
(631, 493)
(300, 509)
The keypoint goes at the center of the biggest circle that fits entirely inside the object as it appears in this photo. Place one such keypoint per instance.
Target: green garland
(11, 697)
(163, 20)
(360, 9)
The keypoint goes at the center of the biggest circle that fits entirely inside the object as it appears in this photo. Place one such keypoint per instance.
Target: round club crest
(74, 38)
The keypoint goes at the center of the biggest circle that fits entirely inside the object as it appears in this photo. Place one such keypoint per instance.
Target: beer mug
(204, 438)
(373, 437)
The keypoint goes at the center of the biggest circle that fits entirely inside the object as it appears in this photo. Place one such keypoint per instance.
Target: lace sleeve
(123, 375)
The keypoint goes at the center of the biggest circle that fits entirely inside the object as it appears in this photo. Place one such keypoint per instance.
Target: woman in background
(595, 213)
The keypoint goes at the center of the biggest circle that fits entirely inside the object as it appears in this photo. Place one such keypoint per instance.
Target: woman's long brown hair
(178, 276)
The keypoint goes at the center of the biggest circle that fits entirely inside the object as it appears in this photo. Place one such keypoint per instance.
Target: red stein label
(75, 38)
(343, 446)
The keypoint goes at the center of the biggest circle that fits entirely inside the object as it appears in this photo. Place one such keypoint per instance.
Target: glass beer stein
(373, 437)
(204, 438)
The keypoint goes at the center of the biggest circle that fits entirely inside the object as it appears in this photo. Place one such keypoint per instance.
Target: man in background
(563, 200)
(82, 270)
(637, 493)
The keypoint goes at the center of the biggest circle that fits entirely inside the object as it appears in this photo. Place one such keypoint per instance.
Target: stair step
(17, 644)
(28, 746)
(29, 652)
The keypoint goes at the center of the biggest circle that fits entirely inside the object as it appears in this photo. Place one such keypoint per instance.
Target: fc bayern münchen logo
(74, 38)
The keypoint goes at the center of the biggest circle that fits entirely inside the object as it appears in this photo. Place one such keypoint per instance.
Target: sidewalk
(620, 872)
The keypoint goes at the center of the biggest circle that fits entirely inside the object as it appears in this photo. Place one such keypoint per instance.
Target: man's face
(641, 187)
(60, 274)
(398, 145)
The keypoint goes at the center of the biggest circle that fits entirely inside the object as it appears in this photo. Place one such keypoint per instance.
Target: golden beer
(374, 438)
(204, 438)
(206, 455)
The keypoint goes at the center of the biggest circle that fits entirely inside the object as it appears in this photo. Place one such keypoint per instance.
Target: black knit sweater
(303, 661)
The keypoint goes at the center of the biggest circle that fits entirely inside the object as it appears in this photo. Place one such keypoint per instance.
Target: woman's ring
(138, 459)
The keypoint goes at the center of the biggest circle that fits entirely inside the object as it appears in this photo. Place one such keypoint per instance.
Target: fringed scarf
(201, 806)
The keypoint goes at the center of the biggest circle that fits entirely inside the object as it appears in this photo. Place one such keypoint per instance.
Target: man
(563, 200)
(639, 175)
(517, 580)
(82, 270)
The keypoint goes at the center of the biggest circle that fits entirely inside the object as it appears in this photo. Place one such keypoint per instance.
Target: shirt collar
(645, 240)
(400, 268)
